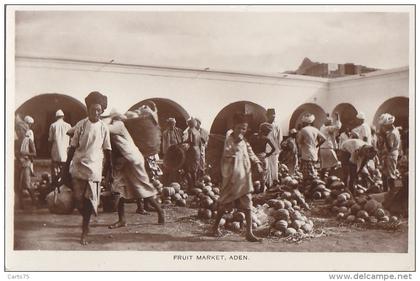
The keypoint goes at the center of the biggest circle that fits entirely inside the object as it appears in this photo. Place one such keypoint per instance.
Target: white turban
(28, 119)
(361, 116)
(308, 118)
(386, 119)
(59, 113)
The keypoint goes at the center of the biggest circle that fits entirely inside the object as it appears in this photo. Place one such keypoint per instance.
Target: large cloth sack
(146, 134)
(60, 201)
(175, 157)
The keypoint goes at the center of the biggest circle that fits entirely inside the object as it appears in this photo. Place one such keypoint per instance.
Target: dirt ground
(38, 229)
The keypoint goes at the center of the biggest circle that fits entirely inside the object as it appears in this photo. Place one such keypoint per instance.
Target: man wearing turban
(171, 136)
(60, 141)
(309, 139)
(89, 144)
(389, 150)
(363, 131)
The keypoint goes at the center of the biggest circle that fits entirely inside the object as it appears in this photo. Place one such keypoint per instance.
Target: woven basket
(174, 157)
(146, 134)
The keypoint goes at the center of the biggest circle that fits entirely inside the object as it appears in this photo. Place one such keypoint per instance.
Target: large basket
(174, 157)
(146, 134)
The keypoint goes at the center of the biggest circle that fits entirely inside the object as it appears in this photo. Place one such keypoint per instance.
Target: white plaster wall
(367, 93)
(202, 94)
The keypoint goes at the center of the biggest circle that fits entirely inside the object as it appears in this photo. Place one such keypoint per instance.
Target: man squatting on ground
(89, 144)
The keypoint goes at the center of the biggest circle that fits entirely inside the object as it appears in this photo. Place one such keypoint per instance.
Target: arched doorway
(347, 114)
(224, 120)
(313, 108)
(222, 123)
(398, 107)
(166, 109)
(43, 108)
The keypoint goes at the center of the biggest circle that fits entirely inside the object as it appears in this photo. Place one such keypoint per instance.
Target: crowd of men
(94, 149)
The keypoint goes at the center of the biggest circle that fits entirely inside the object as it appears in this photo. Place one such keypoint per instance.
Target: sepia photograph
(210, 137)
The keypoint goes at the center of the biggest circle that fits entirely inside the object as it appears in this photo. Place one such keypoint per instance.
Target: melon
(216, 190)
(384, 219)
(196, 191)
(393, 219)
(177, 197)
(297, 224)
(343, 210)
(181, 203)
(156, 183)
(351, 218)
(360, 220)
(207, 214)
(341, 216)
(200, 185)
(294, 203)
(228, 217)
(362, 214)
(287, 204)
(296, 215)
(373, 220)
(167, 202)
(207, 202)
(207, 179)
(317, 195)
(342, 197)
(279, 204)
(286, 195)
(271, 202)
(278, 234)
(335, 209)
(326, 194)
(185, 196)
(380, 213)
(281, 225)
(206, 189)
(281, 214)
(297, 208)
(290, 231)
(307, 228)
(176, 186)
(236, 226)
(355, 208)
(239, 216)
(222, 222)
(371, 206)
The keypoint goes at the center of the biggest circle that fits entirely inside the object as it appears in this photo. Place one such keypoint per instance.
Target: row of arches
(43, 108)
